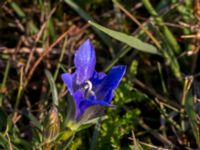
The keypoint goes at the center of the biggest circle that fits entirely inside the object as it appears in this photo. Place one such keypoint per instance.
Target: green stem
(173, 46)
(119, 55)
(4, 80)
(95, 134)
(162, 79)
(164, 29)
(20, 89)
(87, 17)
(173, 63)
(146, 31)
(60, 60)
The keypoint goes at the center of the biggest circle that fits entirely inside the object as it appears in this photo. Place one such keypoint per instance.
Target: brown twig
(153, 93)
(39, 34)
(72, 31)
(45, 53)
(158, 136)
(153, 146)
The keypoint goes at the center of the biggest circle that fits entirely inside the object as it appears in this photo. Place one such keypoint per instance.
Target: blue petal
(110, 82)
(68, 80)
(108, 97)
(85, 61)
(78, 98)
(88, 103)
(97, 78)
(82, 104)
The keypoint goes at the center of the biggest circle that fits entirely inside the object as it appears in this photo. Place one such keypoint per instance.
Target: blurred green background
(157, 102)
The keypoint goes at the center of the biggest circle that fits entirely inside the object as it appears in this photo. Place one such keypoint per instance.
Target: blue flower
(91, 89)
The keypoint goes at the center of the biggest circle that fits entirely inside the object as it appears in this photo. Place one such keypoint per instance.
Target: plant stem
(156, 42)
(60, 60)
(172, 45)
(20, 89)
(4, 80)
(164, 29)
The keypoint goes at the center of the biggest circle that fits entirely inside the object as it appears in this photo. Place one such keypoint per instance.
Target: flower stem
(4, 80)
(164, 29)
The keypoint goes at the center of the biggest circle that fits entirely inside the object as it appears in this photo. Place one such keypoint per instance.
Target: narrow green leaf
(4, 80)
(53, 87)
(4, 142)
(129, 40)
(71, 110)
(189, 106)
(32, 118)
(87, 17)
(95, 134)
(17, 9)
(32, 28)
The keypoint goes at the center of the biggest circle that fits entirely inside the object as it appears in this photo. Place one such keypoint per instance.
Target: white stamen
(89, 85)
(88, 89)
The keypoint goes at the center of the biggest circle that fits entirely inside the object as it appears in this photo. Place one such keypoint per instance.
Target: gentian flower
(91, 90)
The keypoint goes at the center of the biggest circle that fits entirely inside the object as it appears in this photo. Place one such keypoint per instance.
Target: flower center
(88, 89)
(88, 85)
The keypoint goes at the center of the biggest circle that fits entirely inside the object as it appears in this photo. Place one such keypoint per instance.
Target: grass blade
(17, 9)
(53, 87)
(86, 17)
(189, 106)
(129, 40)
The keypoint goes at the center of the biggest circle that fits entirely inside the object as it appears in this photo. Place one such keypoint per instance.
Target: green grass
(157, 103)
